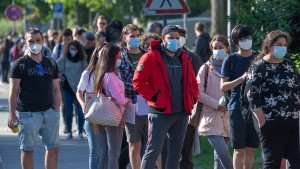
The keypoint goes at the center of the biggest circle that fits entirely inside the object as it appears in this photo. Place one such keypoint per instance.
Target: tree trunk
(218, 17)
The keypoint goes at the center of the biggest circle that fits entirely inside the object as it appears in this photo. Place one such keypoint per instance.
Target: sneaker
(69, 136)
(80, 136)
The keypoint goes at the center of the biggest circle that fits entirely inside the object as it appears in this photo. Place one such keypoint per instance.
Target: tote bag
(103, 110)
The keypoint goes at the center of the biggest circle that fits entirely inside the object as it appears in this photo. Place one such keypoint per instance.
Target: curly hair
(145, 37)
(269, 41)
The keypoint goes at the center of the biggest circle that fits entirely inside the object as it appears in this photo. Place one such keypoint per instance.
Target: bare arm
(13, 94)
(56, 94)
(79, 96)
(226, 85)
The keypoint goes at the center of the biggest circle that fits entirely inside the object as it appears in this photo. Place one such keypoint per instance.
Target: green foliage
(7, 26)
(296, 59)
(267, 15)
(206, 159)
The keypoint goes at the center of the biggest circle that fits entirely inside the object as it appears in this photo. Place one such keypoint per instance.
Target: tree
(218, 17)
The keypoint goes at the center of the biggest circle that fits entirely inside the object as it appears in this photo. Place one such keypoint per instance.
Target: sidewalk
(73, 154)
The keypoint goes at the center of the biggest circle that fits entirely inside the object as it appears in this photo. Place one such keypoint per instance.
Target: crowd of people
(171, 91)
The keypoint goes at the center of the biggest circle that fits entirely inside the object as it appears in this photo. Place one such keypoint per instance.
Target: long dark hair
(80, 52)
(107, 60)
(94, 60)
(269, 41)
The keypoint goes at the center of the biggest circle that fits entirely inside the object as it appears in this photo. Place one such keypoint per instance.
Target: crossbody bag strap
(206, 68)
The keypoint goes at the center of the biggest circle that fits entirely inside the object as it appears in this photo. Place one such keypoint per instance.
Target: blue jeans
(222, 157)
(112, 136)
(97, 146)
(69, 98)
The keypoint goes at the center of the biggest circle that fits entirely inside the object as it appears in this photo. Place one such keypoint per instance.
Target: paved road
(73, 153)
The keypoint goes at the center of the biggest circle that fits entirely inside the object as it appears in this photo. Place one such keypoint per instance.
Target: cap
(89, 36)
(181, 29)
(169, 28)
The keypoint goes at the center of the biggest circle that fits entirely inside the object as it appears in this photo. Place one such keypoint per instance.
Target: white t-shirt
(85, 84)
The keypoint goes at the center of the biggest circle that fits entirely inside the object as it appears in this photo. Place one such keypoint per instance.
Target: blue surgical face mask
(219, 54)
(134, 43)
(279, 51)
(173, 45)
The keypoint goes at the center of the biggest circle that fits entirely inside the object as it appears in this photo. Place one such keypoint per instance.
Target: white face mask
(182, 41)
(35, 48)
(73, 52)
(245, 45)
(118, 63)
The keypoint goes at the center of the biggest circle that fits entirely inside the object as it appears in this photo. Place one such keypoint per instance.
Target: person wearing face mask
(130, 55)
(213, 119)
(234, 68)
(72, 64)
(35, 95)
(89, 44)
(166, 79)
(273, 94)
(186, 152)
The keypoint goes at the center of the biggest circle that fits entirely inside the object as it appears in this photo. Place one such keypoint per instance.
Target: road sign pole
(165, 21)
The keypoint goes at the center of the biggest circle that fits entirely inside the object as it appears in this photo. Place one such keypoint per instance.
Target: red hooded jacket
(151, 78)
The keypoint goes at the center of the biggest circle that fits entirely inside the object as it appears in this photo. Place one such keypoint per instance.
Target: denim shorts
(44, 124)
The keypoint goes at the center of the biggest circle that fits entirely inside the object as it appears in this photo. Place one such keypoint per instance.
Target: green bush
(7, 26)
(267, 15)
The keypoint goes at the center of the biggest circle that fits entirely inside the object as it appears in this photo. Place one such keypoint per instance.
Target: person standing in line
(65, 38)
(146, 39)
(274, 98)
(213, 117)
(156, 27)
(186, 152)
(5, 62)
(130, 55)
(70, 66)
(17, 49)
(97, 143)
(35, 95)
(89, 45)
(106, 80)
(202, 42)
(234, 68)
(101, 23)
(165, 78)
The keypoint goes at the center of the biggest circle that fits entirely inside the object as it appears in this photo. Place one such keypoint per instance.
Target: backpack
(227, 93)
(246, 111)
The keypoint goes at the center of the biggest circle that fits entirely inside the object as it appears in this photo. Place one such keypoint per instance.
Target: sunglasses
(102, 23)
(40, 69)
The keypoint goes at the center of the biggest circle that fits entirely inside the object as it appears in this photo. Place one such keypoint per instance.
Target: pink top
(114, 87)
(212, 121)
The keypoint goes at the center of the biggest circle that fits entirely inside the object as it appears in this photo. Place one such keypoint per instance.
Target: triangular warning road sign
(165, 7)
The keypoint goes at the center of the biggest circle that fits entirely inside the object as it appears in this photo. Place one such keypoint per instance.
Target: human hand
(12, 118)
(221, 108)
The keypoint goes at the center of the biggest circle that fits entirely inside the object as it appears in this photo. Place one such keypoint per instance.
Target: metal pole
(228, 21)
(14, 22)
(185, 18)
(165, 21)
(57, 24)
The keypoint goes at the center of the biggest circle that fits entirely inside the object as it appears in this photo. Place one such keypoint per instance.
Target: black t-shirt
(35, 89)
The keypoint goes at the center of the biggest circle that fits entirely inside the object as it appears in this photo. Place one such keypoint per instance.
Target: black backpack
(245, 87)
(227, 93)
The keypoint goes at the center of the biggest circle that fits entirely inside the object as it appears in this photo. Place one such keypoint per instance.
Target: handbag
(103, 110)
(194, 119)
